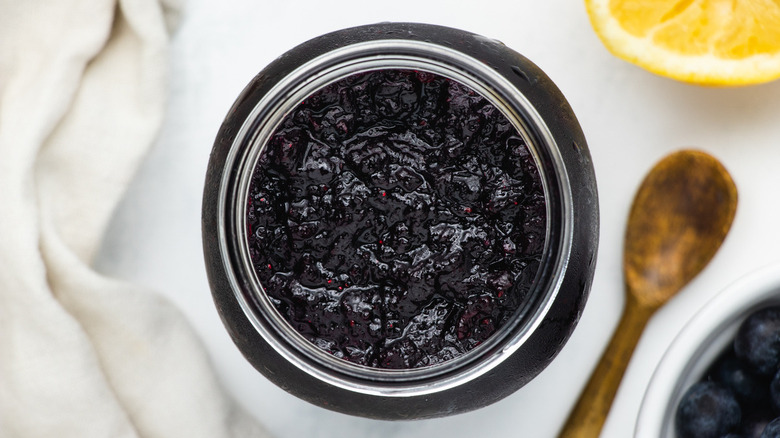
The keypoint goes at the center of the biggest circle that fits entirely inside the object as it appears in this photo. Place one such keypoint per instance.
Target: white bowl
(698, 344)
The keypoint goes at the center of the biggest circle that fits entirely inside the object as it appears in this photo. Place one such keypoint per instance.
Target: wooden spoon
(680, 216)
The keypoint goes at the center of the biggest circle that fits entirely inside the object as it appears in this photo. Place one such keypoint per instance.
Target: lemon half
(710, 42)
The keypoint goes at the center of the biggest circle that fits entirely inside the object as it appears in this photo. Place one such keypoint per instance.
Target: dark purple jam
(396, 219)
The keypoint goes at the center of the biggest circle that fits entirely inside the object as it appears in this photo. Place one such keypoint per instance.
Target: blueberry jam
(396, 219)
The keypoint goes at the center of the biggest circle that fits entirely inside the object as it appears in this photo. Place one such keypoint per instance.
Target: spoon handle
(588, 416)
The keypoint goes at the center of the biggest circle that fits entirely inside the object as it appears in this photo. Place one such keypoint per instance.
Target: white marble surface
(630, 117)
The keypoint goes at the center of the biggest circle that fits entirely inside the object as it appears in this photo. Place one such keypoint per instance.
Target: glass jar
(521, 348)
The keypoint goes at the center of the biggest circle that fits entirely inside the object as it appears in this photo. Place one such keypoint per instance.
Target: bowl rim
(698, 343)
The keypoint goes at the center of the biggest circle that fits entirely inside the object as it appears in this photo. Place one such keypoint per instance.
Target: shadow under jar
(400, 221)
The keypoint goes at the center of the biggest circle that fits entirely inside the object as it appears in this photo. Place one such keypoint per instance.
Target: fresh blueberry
(754, 421)
(750, 389)
(774, 392)
(772, 430)
(757, 342)
(707, 410)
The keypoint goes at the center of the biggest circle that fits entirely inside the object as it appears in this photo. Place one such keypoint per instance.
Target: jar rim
(249, 143)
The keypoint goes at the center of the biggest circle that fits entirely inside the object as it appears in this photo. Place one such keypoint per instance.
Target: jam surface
(396, 219)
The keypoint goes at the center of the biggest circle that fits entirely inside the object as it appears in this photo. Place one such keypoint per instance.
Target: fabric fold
(82, 96)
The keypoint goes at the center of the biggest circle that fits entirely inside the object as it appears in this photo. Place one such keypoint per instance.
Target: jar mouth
(249, 144)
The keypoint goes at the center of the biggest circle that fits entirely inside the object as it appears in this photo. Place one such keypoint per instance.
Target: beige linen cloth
(82, 95)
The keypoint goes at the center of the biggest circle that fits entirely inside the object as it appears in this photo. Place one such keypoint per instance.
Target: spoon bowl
(679, 218)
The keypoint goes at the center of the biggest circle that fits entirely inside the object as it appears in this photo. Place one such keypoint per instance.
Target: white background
(630, 117)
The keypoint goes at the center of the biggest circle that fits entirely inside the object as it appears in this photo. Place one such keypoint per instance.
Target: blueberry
(707, 410)
(774, 392)
(755, 421)
(750, 389)
(772, 430)
(757, 342)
